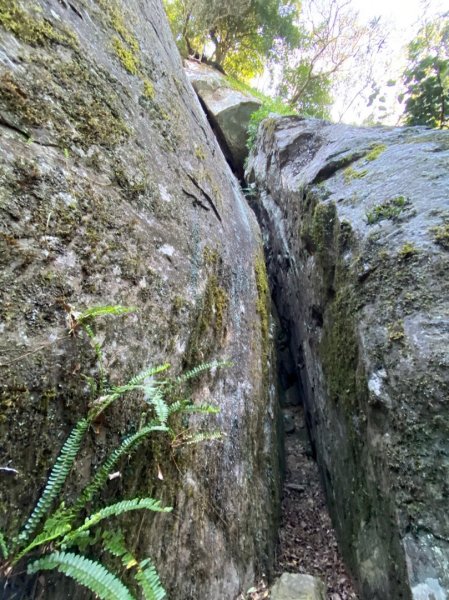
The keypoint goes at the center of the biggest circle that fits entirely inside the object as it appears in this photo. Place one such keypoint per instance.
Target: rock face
(114, 191)
(228, 110)
(294, 586)
(357, 230)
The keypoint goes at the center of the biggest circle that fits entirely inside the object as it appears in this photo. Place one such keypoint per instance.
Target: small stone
(295, 586)
(295, 487)
(289, 424)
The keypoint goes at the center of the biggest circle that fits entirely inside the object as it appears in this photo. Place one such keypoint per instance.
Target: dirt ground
(307, 541)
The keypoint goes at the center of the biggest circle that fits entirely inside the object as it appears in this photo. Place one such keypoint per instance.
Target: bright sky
(403, 13)
(403, 18)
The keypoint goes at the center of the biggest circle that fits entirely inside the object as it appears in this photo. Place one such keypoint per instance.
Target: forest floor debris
(307, 542)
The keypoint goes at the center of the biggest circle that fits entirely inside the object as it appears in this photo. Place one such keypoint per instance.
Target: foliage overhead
(335, 56)
(311, 49)
(236, 35)
(426, 77)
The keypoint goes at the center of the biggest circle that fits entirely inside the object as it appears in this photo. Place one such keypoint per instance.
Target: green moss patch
(350, 174)
(407, 251)
(31, 28)
(263, 299)
(396, 331)
(126, 56)
(323, 225)
(375, 152)
(390, 209)
(116, 20)
(338, 350)
(148, 89)
(209, 327)
(441, 235)
(68, 99)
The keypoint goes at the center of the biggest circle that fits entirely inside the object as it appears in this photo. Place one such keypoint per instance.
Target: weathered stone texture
(113, 191)
(357, 229)
(296, 586)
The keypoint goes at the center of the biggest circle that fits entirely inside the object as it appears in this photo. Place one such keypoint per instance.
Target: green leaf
(145, 374)
(201, 369)
(148, 579)
(56, 480)
(129, 444)
(86, 572)
(101, 311)
(114, 542)
(44, 538)
(113, 510)
(154, 397)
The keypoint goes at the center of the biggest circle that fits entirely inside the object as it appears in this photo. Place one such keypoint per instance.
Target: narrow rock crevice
(307, 542)
(360, 281)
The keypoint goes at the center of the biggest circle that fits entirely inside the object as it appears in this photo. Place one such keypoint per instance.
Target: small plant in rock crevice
(391, 209)
(55, 534)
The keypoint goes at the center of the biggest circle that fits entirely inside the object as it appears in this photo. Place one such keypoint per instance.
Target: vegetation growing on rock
(30, 27)
(390, 209)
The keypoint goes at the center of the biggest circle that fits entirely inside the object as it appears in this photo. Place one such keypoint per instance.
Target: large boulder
(229, 110)
(357, 227)
(114, 191)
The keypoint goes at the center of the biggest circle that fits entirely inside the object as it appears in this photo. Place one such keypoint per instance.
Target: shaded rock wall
(113, 191)
(356, 223)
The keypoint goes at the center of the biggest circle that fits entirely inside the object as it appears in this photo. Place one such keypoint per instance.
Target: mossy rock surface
(356, 221)
(113, 191)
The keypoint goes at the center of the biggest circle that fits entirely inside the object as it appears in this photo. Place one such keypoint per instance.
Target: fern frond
(101, 404)
(200, 369)
(114, 510)
(101, 311)
(148, 579)
(150, 372)
(155, 398)
(176, 406)
(114, 542)
(56, 480)
(86, 572)
(3, 546)
(44, 538)
(129, 444)
(187, 406)
(201, 409)
(146, 574)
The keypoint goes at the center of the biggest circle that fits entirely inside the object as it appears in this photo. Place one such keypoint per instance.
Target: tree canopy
(426, 77)
(317, 55)
(236, 35)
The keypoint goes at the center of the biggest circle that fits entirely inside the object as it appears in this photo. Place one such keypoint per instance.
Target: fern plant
(53, 529)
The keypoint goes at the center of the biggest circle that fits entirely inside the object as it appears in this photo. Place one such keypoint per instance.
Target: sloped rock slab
(113, 191)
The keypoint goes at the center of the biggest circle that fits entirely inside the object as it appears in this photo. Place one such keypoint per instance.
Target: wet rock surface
(356, 228)
(113, 190)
